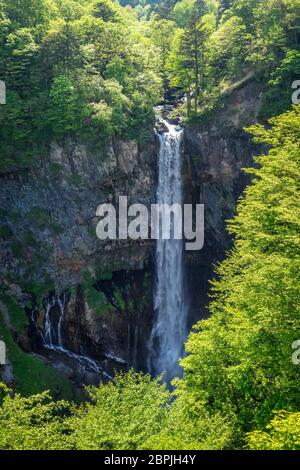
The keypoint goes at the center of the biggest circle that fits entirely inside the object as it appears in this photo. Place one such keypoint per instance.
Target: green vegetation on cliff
(79, 67)
(219, 43)
(92, 69)
(239, 361)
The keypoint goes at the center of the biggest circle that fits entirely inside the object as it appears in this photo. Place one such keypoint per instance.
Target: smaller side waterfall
(53, 333)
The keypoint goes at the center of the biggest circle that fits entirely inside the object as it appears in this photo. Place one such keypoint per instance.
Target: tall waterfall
(169, 332)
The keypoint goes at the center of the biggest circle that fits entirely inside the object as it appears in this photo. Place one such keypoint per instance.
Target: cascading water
(61, 304)
(169, 332)
(53, 334)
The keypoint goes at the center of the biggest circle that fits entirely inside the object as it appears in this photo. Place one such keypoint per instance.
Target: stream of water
(53, 335)
(169, 332)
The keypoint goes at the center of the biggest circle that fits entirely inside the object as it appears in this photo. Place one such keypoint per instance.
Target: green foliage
(74, 67)
(106, 10)
(187, 60)
(161, 32)
(239, 361)
(278, 96)
(34, 423)
(39, 217)
(185, 11)
(189, 426)
(5, 232)
(56, 168)
(28, 238)
(66, 113)
(31, 375)
(283, 433)
(218, 42)
(56, 228)
(131, 409)
(96, 301)
(93, 70)
(17, 315)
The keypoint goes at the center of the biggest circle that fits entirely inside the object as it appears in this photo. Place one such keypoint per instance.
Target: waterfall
(48, 326)
(169, 332)
(61, 304)
(53, 336)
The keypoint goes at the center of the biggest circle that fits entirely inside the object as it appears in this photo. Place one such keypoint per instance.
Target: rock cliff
(48, 242)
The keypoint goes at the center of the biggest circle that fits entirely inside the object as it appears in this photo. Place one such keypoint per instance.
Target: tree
(283, 433)
(34, 423)
(162, 32)
(186, 60)
(106, 10)
(123, 414)
(239, 361)
(66, 110)
(224, 5)
(51, 54)
(277, 98)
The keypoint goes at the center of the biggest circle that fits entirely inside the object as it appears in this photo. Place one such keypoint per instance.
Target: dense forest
(91, 67)
(97, 68)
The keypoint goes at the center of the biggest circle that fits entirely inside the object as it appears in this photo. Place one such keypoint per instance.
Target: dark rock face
(119, 334)
(215, 154)
(50, 244)
(50, 210)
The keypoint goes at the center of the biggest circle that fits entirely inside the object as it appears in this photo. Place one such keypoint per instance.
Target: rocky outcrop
(216, 151)
(48, 244)
(49, 211)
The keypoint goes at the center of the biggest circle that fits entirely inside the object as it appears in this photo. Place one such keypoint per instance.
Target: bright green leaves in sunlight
(123, 414)
(283, 433)
(74, 68)
(34, 423)
(240, 360)
(92, 69)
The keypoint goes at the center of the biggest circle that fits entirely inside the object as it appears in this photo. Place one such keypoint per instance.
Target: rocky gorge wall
(48, 245)
(216, 151)
(48, 232)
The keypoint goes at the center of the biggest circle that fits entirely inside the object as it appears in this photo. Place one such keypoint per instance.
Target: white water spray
(166, 344)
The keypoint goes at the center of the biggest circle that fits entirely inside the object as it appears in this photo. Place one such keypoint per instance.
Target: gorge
(112, 109)
(170, 316)
(108, 314)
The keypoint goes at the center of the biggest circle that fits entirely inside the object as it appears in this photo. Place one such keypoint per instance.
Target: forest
(93, 69)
